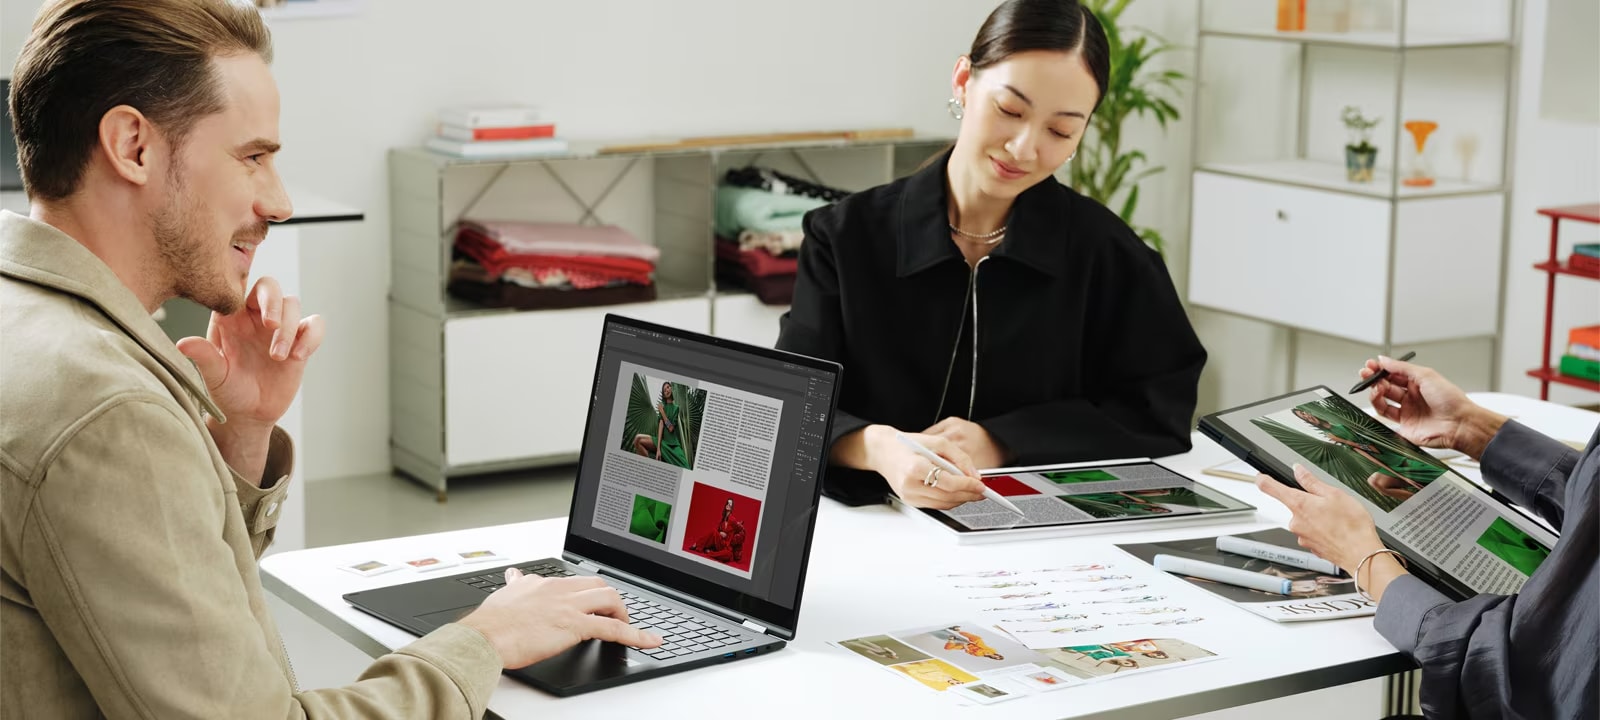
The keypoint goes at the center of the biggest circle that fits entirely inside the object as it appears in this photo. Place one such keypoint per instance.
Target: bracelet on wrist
(1356, 576)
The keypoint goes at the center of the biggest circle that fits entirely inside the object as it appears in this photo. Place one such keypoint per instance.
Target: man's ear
(128, 143)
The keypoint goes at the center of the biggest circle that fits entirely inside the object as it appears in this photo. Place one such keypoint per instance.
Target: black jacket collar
(1036, 234)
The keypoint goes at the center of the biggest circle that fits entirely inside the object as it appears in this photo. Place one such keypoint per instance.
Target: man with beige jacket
(140, 480)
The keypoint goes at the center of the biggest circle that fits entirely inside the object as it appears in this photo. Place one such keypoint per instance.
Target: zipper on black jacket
(970, 300)
(972, 397)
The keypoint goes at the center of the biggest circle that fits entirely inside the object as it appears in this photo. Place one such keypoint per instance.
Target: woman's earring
(1073, 155)
(954, 106)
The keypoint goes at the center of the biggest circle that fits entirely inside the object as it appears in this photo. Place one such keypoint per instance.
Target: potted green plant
(1104, 169)
(1360, 155)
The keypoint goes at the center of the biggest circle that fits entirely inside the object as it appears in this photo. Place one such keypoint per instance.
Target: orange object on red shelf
(1589, 336)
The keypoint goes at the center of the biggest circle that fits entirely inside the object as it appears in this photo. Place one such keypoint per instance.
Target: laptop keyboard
(681, 634)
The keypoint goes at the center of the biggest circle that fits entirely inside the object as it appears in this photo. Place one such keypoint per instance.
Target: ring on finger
(929, 478)
(935, 482)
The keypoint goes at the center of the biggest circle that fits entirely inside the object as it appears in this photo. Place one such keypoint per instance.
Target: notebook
(696, 497)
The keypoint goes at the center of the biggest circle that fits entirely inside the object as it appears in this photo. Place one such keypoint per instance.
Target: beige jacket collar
(35, 252)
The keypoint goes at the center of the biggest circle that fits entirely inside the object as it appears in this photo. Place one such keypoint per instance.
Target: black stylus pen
(1379, 375)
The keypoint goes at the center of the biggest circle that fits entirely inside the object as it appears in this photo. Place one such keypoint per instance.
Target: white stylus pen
(1222, 574)
(945, 465)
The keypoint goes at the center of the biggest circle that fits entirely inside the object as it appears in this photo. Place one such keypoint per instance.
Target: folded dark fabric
(758, 263)
(509, 295)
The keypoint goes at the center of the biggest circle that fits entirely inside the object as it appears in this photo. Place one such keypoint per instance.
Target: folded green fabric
(740, 208)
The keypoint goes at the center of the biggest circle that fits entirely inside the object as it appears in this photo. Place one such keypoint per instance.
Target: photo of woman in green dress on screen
(1361, 452)
(664, 428)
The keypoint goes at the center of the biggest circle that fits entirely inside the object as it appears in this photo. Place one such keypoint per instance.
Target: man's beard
(190, 259)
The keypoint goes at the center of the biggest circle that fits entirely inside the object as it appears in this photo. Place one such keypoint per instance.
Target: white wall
(354, 87)
(626, 68)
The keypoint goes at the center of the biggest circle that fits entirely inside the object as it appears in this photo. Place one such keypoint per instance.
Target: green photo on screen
(1066, 477)
(650, 519)
(1514, 546)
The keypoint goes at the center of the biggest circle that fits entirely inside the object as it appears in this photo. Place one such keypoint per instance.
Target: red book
(520, 132)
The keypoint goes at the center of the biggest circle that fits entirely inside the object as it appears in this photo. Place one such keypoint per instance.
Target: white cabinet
(474, 389)
(1281, 233)
(519, 384)
(1290, 255)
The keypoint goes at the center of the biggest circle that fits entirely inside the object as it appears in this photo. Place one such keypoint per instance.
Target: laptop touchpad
(435, 620)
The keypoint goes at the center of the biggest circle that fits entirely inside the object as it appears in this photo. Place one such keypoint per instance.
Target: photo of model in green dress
(1354, 447)
(663, 420)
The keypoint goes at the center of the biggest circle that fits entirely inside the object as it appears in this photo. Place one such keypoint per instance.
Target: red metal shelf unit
(1546, 374)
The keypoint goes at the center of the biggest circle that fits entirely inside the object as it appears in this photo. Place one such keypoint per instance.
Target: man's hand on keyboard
(533, 618)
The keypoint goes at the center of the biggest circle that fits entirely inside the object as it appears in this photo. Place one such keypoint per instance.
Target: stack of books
(1583, 353)
(1585, 258)
(495, 132)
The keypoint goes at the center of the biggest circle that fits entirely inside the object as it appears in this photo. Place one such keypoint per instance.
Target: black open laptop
(696, 497)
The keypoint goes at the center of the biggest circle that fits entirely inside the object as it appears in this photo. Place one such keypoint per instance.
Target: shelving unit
(1546, 373)
(476, 390)
(1280, 235)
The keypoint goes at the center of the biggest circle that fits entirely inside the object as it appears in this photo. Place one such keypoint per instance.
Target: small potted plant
(1360, 155)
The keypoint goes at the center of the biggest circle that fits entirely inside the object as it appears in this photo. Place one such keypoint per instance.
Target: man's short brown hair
(85, 57)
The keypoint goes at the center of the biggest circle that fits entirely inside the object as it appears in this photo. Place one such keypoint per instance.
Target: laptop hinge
(589, 566)
(754, 626)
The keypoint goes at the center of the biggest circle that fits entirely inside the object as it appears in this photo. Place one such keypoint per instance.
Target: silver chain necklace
(988, 238)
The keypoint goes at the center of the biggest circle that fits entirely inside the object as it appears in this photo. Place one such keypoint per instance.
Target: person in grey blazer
(1527, 655)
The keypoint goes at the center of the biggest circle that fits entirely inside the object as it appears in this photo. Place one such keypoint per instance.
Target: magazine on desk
(1455, 534)
(1316, 595)
(1082, 498)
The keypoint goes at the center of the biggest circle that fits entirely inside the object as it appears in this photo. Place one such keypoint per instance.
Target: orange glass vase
(1419, 172)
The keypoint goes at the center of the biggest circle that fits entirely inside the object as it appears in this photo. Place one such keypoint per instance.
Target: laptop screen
(701, 467)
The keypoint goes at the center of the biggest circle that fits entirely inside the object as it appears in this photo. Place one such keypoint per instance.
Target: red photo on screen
(721, 526)
(1009, 486)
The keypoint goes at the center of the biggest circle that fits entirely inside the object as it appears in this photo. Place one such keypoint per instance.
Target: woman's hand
(1431, 411)
(906, 471)
(973, 440)
(1329, 521)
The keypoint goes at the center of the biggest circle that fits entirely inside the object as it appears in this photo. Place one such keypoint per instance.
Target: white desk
(868, 567)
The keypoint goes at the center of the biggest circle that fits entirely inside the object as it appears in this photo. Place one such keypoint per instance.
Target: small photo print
(984, 693)
(883, 650)
(936, 674)
(1046, 679)
(430, 564)
(479, 556)
(369, 568)
(971, 646)
(1092, 661)
(650, 519)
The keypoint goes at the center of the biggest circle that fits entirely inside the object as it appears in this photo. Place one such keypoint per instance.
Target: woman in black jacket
(983, 308)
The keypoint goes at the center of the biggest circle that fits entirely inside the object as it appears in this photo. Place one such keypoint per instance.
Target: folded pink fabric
(533, 238)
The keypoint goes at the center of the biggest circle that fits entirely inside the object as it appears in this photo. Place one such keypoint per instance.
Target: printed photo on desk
(1083, 498)
(967, 660)
(1130, 656)
(1453, 532)
(686, 468)
(1316, 595)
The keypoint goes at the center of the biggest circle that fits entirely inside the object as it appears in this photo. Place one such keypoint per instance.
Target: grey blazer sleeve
(1531, 470)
